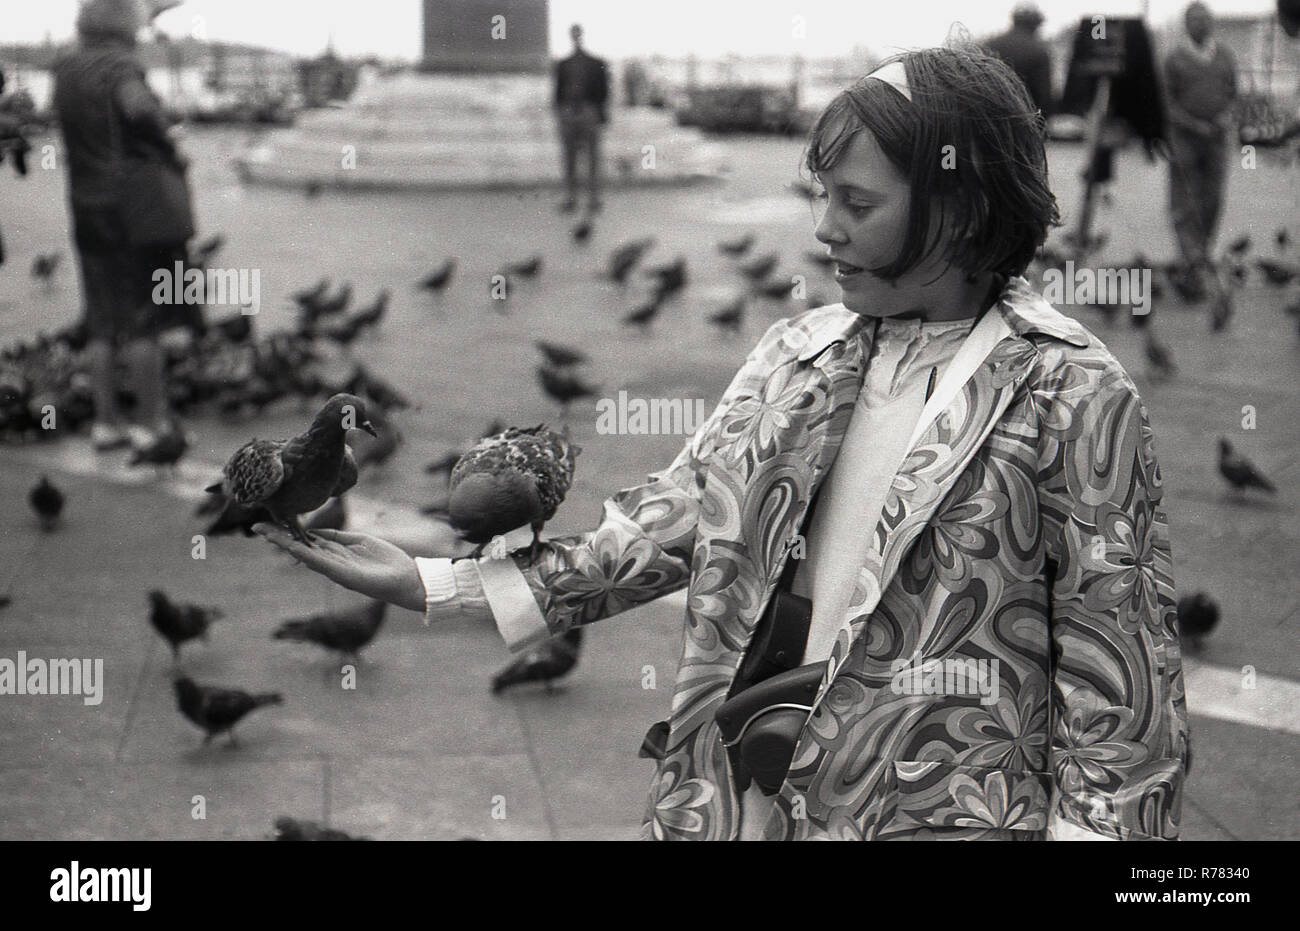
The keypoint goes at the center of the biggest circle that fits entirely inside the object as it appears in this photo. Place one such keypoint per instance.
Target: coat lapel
(950, 433)
(780, 488)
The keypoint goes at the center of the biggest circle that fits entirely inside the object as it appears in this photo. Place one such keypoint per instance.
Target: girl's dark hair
(993, 198)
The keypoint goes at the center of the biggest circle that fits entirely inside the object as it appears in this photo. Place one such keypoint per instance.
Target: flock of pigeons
(1230, 272)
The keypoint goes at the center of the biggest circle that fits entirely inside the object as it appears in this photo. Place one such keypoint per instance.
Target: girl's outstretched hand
(365, 564)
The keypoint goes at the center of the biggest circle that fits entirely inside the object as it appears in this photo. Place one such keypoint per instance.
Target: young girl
(990, 650)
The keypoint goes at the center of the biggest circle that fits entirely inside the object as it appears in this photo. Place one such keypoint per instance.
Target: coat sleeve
(642, 547)
(1119, 735)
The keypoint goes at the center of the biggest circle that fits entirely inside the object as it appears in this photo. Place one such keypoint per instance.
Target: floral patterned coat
(1023, 526)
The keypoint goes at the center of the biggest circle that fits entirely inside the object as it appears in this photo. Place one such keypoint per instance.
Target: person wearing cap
(1028, 55)
(939, 472)
(108, 115)
(581, 109)
(1200, 88)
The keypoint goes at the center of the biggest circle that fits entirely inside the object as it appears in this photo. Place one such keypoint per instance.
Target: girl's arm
(640, 551)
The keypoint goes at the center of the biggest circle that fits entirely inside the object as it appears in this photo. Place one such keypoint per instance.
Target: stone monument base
(427, 131)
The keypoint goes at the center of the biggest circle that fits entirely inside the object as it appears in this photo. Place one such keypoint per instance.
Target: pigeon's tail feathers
(268, 698)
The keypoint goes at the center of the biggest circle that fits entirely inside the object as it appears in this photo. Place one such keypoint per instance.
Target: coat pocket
(952, 795)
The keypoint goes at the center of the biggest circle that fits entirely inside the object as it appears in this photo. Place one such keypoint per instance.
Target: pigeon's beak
(369, 428)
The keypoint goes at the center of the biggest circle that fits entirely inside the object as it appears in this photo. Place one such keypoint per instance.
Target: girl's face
(864, 224)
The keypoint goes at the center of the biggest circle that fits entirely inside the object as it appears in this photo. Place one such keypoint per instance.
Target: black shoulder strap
(791, 564)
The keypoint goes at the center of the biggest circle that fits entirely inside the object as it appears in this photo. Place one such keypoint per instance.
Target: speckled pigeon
(292, 477)
(510, 480)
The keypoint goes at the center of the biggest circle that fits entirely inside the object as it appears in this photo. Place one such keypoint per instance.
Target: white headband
(895, 76)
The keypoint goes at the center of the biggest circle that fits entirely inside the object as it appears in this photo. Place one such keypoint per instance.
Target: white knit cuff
(451, 589)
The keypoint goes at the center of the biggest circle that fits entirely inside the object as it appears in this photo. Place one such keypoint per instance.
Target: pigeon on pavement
(545, 663)
(560, 355)
(564, 385)
(1240, 471)
(179, 623)
(47, 501)
(1197, 616)
(217, 709)
(346, 631)
(439, 278)
(738, 246)
(293, 829)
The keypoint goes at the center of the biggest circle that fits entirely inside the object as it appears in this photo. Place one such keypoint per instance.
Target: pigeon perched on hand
(1197, 616)
(179, 623)
(344, 631)
(1240, 471)
(510, 480)
(293, 477)
(216, 709)
(545, 663)
(47, 501)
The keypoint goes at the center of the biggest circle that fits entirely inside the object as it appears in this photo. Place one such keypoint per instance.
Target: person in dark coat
(13, 144)
(108, 116)
(1200, 87)
(1028, 55)
(581, 107)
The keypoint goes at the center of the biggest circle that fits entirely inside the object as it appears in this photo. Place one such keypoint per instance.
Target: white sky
(615, 28)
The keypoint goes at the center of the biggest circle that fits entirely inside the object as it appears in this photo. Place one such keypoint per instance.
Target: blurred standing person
(1028, 55)
(581, 106)
(1201, 85)
(13, 144)
(130, 210)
